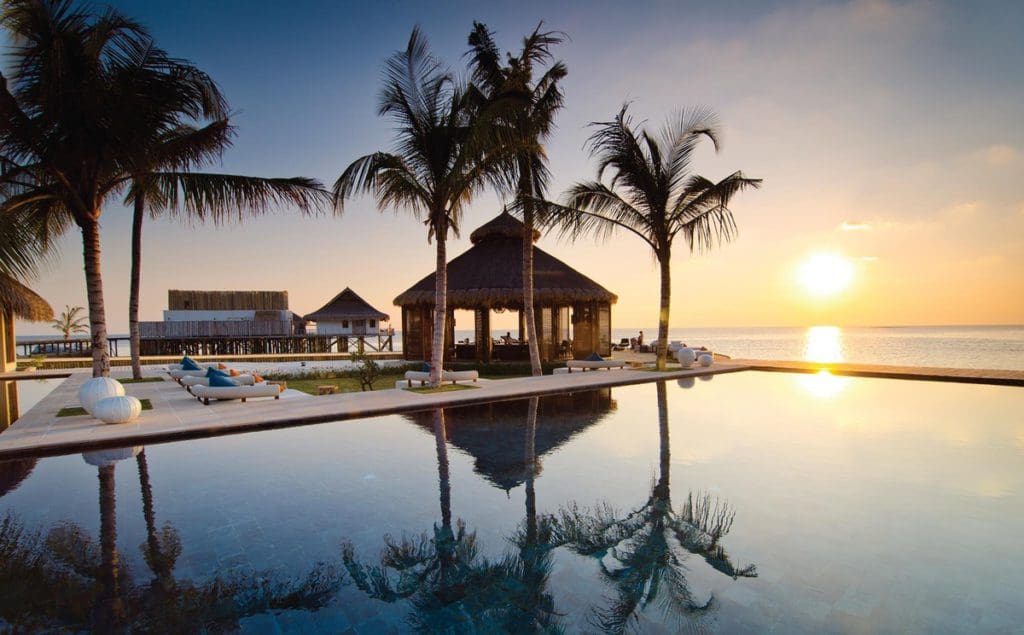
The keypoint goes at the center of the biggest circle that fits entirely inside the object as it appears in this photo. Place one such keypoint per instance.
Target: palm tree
(439, 163)
(526, 110)
(69, 322)
(653, 194)
(90, 92)
(643, 553)
(164, 182)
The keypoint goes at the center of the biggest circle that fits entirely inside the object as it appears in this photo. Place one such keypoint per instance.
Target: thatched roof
(22, 301)
(489, 274)
(495, 433)
(347, 305)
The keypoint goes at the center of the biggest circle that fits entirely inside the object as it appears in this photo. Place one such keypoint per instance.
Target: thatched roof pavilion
(488, 277)
(17, 301)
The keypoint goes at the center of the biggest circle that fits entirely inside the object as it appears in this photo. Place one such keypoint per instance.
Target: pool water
(748, 503)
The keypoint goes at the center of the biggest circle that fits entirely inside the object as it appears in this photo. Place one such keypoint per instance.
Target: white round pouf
(117, 409)
(97, 388)
(686, 382)
(706, 359)
(686, 357)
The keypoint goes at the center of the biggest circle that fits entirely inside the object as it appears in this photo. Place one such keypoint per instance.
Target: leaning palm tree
(653, 194)
(525, 109)
(69, 322)
(439, 162)
(162, 181)
(88, 92)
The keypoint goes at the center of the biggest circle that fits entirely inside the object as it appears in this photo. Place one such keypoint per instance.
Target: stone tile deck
(177, 415)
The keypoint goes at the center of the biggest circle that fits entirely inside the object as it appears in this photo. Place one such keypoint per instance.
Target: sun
(825, 274)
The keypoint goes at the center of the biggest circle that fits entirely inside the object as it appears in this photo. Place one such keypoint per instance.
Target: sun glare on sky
(825, 274)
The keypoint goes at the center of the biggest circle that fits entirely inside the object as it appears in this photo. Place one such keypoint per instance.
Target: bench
(453, 376)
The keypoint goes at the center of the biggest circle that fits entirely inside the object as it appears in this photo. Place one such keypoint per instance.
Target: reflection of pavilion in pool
(495, 434)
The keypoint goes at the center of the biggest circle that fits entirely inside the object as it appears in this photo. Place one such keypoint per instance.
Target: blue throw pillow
(216, 381)
(594, 357)
(187, 363)
(426, 367)
(214, 372)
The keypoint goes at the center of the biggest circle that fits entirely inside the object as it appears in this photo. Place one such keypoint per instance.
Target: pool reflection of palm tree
(448, 584)
(642, 553)
(88, 588)
(530, 606)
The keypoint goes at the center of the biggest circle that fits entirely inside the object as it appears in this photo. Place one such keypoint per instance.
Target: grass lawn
(144, 380)
(75, 411)
(344, 384)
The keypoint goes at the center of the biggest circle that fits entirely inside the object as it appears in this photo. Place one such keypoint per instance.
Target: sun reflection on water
(823, 344)
(823, 384)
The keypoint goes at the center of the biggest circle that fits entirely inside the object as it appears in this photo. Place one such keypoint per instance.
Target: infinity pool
(748, 503)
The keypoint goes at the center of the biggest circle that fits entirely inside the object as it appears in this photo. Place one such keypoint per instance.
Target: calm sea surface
(943, 346)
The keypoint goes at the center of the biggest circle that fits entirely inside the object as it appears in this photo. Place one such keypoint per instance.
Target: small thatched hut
(17, 301)
(488, 277)
(347, 314)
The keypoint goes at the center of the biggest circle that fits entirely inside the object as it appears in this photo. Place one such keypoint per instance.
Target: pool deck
(177, 415)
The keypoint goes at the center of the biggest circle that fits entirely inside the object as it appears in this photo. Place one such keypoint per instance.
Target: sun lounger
(453, 376)
(177, 373)
(191, 380)
(262, 389)
(585, 365)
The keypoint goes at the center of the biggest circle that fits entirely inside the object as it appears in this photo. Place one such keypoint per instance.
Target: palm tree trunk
(531, 460)
(443, 477)
(666, 300)
(133, 291)
(661, 490)
(111, 609)
(440, 306)
(526, 193)
(94, 290)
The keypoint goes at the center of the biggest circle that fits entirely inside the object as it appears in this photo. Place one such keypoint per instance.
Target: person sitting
(507, 338)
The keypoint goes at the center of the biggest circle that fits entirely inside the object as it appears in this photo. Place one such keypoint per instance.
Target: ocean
(997, 347)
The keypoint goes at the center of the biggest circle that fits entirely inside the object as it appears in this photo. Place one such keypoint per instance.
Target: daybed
(585, 365)
(191, 380)
(447, 375)
(262, 389)
(177, 373)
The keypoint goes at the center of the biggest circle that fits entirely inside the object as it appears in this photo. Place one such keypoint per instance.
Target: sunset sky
(889, 136)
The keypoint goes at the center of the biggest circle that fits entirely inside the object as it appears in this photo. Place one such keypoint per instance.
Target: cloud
(999, 155)
(854, 226)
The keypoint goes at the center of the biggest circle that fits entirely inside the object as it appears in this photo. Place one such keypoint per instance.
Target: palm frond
(226, 197)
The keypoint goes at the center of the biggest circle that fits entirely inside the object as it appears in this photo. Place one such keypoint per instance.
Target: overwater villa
(347, 315)
(573, 312)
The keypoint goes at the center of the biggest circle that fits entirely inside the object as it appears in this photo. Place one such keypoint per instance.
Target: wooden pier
(229, 345)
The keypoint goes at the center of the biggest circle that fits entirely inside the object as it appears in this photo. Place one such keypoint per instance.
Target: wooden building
(17, 301)
(572, 312)
(192, 313)
(347, 314)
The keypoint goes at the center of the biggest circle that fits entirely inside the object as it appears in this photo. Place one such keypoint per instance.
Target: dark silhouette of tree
(523, 109)
(653, 194)
(442, 158)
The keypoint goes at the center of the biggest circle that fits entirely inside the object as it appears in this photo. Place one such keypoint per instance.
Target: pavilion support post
(482, 329)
